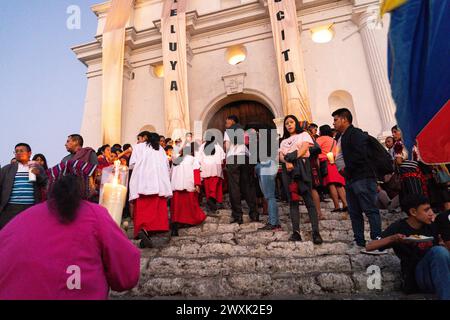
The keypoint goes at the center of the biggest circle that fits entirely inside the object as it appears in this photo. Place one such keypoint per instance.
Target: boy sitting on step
(425, 264)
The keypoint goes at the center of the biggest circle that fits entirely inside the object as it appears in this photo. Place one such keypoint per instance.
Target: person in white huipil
(149, 187)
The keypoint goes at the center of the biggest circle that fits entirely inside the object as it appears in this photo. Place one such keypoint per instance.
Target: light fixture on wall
(322, 34)
(236, 54)
(158, 70)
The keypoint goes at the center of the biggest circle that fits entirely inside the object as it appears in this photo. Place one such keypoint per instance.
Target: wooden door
(248, 112)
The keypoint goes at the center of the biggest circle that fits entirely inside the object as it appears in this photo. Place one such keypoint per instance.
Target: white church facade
(347, 70)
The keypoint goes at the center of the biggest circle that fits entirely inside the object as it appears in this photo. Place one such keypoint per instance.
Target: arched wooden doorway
(249, 113)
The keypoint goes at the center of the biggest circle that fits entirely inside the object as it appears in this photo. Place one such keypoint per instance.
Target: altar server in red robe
(186, 182)
(149, 187)
(211, 157)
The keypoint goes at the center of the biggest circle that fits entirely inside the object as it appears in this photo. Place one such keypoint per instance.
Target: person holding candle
(186, 182)
(21, 185)
(211, 157)
(105, 158)
(333, 179)
(149, 187)
(66, 248)
(41, 160)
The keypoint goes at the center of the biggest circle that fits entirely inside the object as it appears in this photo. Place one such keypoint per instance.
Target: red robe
(150, 214)
(214, 188)
(185, 207)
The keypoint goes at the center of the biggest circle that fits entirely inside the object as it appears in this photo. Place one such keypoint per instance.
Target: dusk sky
(42, 84)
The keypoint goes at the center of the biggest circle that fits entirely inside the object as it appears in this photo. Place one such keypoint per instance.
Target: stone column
(377, 63)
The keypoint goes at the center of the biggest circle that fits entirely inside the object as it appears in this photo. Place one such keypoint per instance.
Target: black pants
(241, 180)
(10, 212)
(312, 211)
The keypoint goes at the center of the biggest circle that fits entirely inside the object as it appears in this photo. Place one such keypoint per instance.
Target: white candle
(113, 198)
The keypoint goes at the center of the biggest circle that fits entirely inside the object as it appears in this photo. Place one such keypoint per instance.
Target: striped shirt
(23, 189)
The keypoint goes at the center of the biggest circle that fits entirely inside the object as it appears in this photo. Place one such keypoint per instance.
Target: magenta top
(43, 259)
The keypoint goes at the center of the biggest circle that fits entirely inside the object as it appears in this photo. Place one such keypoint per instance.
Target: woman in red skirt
(149, 187)
(333, 180)
(211, 157)
(185, 208)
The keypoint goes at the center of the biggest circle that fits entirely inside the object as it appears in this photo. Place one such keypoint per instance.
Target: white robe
(211, 166)
(183, 174)
(150, 172)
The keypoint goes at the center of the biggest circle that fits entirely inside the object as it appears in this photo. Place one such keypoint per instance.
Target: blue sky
(42, 84)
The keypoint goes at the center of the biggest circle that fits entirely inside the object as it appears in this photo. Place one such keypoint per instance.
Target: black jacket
(300, 173)
(7, 176)
(354, 144)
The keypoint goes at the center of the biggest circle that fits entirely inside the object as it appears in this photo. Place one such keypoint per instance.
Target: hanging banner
(113, 50)
(176, 100)
(286, 36)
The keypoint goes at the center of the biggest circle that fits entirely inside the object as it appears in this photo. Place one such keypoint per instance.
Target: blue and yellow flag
(390, 5)
(419, 73)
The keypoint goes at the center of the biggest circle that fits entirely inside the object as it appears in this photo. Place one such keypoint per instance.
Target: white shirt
(23, 167)
(211, 166)
(235, 149)
(150, 172)
(295, 142)
(183, 174)
(339, 159)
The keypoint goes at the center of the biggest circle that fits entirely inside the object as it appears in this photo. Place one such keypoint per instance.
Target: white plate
(422, 239)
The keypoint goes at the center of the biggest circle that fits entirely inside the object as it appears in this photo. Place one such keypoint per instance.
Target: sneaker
(358, 245)
(269, 227)
(254, 216)
(212, 205)
(295, 236)
(373, 253)
(317, 239)
(237, 220)
(146, 242)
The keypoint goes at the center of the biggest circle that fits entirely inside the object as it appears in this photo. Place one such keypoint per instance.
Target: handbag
(324, 164)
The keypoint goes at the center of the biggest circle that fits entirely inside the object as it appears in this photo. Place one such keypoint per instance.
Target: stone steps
(223, 260)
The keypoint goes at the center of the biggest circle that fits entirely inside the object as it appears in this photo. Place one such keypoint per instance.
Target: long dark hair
(298, 128)
(152, 139)
(65, 197)
(213, 142)
(40, 155)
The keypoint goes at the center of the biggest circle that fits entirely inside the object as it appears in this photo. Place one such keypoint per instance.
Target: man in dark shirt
(361, 182)
(425, 265)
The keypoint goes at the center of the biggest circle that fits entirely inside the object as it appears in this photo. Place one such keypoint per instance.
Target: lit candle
(330, 156)
(113, 196)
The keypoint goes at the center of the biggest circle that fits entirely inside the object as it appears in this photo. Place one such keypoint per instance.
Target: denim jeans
(362, 197)
(267, 174)
(433, 272)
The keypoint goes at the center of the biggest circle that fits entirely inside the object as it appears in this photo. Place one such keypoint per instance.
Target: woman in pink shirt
(66, 249)
(333, 180)
(294, 154)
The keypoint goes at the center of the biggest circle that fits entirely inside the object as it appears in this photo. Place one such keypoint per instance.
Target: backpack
(379, 159)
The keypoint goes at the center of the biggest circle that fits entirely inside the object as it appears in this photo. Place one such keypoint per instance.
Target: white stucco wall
(338, 65)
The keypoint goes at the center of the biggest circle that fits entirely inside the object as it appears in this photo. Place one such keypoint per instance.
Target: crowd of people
(169, 180)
